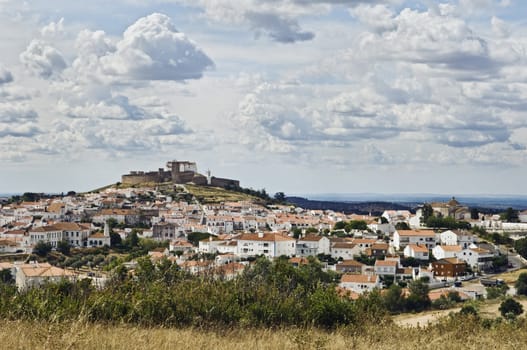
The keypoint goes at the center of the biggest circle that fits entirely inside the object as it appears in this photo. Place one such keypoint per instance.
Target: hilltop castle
(178, 172)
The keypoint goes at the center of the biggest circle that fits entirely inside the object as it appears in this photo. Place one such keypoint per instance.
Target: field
(447, 334)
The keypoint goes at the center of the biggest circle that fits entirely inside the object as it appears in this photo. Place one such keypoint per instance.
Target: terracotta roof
(450, 248)
(350, 278)
(350, 263)
(311, 238)
(428, 233)
(44, 270)
(386, 263)
(418, 248)
(267, 237)
(343, 245)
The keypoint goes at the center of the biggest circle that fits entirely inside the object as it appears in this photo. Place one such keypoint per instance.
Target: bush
(510, 308)
(521, 284)
(42, 248)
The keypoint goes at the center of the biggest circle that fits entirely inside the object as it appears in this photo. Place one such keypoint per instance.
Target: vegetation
(510, 215)
(521, 247)
(460, 331)
(207, 194)
(521, 284)
(510, 308)
(446, 223)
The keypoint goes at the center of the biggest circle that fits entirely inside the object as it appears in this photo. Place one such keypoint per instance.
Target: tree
(474, 213)
(384, 220)
(521, 247)
(64, 247)
(510, 308)
(401, 226)
(132, 240)
(6, 276)
(510, 215)
(418, 300)
(42, 248)
(521, 284)
(394, 299)
(427, 212)
(195, 237)
(340, 225)
(115, 239)
(279, 197)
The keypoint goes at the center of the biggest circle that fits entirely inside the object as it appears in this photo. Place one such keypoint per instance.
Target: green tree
(279, 197)
(115, 239)
(394, 299)
(195, 237)
(6, 276)
(418, 299)
(132, 240)
(521, 247)
(64, 247)
(401, 226)
(521, 284)
(495, 292)
(510, 308)
(427, 212)
(474, 213)
(510, 215)
(384, 220)
(42, 248)
(339, 225)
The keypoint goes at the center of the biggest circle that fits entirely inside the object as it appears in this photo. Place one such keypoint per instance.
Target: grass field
(447, 334)
(217, 195)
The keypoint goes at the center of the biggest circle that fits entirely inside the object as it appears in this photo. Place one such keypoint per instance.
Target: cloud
(152, 49)
(5, 75)
(281, 29)
(42, 59)
(53, 30)
(21, 130)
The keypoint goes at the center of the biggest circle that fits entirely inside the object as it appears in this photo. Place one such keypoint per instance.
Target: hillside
(450, 333)
(375, 208)
(206, 194)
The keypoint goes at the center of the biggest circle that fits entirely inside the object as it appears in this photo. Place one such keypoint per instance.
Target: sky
(304, 97)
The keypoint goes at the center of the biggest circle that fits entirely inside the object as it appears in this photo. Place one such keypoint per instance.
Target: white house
(312, 245)
(457, 237)
(386, 267)
(415, 251)
(345, 250)
(446, 251)
(35, 274)
(401, 238)
(477, 258)
(360, 283)
(270, 245)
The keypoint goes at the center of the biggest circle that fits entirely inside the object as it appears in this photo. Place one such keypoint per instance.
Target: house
(449, 268)
(344, 250)
(349, 267)
(312, 245)
(378, 250)
(386, 267)
(477, 258)
(74, 233)
(298, 261)
(417, 251)
(98, 239)
(35, 274)
(457, 237)
(401, 238)
(270, 245)
(446, 251)
(227, 247)
(180, 246)
(360, 283)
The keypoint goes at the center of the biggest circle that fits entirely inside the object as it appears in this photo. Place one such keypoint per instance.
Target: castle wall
(220, 182)
(135, 178)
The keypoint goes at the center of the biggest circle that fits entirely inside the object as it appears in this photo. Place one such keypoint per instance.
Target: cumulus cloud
(5, 75)
(152, 49)
(43, 59)
(53, 29)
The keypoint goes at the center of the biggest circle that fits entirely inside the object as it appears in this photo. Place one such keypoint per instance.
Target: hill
(375, 208)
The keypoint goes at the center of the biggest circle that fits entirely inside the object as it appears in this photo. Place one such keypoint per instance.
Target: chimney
(260, 234)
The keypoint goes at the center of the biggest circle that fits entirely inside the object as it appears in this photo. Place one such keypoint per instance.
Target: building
(35, 274)
(478, 259)
(446, 251)
(312, 245)
(349, 267)
(401, 238)
(416, 251)
(449, 268)
(271, 245)
(360, 283)
(457, 237)
(386, 267)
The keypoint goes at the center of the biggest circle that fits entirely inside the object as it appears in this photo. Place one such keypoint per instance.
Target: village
(367, 252)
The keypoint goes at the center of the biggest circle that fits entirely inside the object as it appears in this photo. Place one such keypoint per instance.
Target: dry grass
(79, 335)
(511, 277)
(216, 195)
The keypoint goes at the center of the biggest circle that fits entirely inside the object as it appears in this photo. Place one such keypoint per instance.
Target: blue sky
(298, 96)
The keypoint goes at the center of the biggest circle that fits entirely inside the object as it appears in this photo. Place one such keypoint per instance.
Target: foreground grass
(449, 333)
